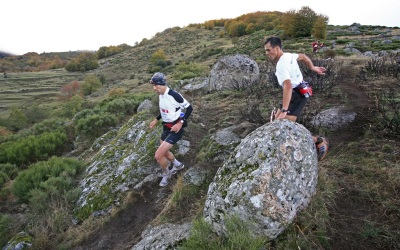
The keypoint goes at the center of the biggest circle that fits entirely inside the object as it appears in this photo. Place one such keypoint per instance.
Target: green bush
(90, 85)
(33, 148)
(84, 121)
(84, 62)
(49, 125)
(121, 106)
(54, 176)
(96, 124)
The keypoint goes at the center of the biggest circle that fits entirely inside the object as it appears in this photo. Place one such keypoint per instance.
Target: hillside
(357, 204)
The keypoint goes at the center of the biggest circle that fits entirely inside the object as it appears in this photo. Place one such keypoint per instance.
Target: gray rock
(233, 72)
(197, 175)
(166, 236)
(145, 105)
(334, 118)
(270, 177)
(196, 86)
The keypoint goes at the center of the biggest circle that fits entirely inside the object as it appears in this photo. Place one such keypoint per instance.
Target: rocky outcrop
(233, 72)
(269, 178)
(119, 165)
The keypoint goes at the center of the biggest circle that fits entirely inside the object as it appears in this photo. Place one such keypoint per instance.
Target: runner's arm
(307, 61)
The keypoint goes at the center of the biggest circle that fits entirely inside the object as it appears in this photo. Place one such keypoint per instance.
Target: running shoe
(322, 147)
(165, 177)
(177, 168)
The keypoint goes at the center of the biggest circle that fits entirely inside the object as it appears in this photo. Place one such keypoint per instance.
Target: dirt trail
(124, 229)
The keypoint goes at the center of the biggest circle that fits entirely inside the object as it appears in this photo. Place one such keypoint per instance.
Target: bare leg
(162, 153)
(170, 157)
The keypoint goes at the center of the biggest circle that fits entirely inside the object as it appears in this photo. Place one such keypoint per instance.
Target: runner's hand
(153, 123)
(176, 127)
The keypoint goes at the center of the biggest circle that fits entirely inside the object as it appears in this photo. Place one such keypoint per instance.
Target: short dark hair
(274, 41)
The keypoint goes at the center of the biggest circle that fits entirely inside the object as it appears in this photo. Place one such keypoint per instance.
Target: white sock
(176, 162)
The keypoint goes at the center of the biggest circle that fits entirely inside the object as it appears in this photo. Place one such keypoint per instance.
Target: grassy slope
(357, 198)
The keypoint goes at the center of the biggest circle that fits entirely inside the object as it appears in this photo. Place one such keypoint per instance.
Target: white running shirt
(171, 103)
(288, 68)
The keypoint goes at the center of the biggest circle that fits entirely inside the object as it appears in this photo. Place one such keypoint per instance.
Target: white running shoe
(165, 177)
(177, 168)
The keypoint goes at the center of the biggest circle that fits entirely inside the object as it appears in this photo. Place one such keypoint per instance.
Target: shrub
(49, 125)
(387, 102)
(385, 66)
(96, 124)
(54, 176)
(108, 51)
(33, 148)
(332, 77)
(16, 120)
(91, 84)
(84, 62)
(35, 113)
(69, 90)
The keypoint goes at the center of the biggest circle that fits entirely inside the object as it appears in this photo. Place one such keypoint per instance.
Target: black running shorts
(171, 137)
(297, 103)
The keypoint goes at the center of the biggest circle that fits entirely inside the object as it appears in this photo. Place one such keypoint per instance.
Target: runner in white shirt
(171, 105)
(295, 90)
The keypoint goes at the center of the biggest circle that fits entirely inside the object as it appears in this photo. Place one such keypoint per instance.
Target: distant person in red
(315, 47)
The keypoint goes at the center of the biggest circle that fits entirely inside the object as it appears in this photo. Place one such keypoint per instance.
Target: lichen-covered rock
(118, 166)
(270, 177)
(166, 236)
(233, 72)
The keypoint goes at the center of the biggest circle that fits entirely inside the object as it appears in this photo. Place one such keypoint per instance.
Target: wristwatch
(284, 111)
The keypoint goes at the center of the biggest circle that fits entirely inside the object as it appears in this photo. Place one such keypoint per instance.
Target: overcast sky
(69, 25)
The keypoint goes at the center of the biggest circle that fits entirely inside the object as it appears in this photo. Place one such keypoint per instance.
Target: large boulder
(233, 72)
(271, 176)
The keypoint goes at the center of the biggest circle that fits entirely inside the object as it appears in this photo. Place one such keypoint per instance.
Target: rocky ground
(123, 231)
